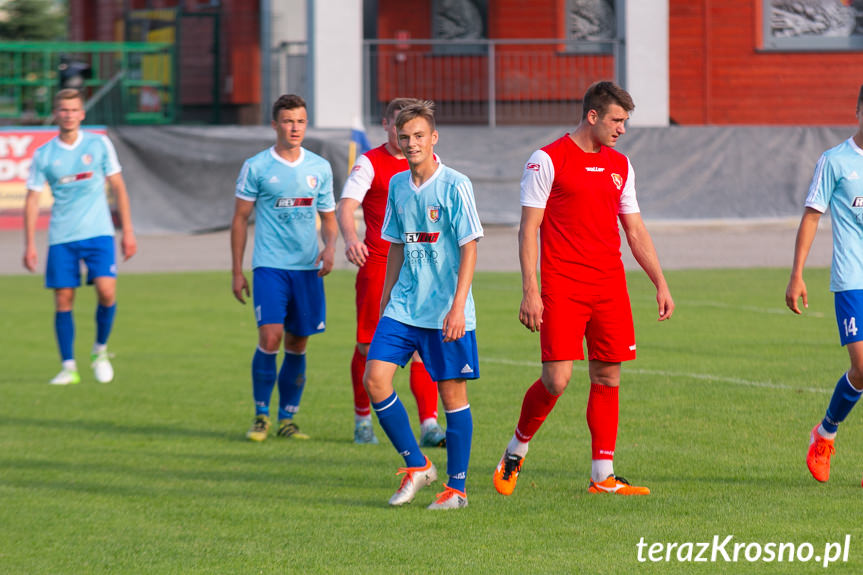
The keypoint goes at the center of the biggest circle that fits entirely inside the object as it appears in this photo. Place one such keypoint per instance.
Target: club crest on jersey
(293, 202)
(858, 202)
(533, 166)
(434, 213)
(87, 159)
(312, 181)
(618, 180)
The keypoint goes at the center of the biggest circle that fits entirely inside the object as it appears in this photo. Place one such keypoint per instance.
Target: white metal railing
(502, 81)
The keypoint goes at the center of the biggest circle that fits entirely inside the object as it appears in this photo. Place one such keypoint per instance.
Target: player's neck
(69, 136)
(395, 151)
(421, 173)
(289, 154)
(583, 139)
(858, 138)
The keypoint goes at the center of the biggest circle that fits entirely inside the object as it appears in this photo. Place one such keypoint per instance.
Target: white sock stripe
(459, 409)
(262, 350)
(295, 352)
(395, 399)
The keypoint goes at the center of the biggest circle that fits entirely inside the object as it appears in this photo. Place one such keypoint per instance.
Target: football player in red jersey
(573, 192)
(367, 186)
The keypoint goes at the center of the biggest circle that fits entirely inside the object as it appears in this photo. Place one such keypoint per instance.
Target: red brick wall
(718, 76)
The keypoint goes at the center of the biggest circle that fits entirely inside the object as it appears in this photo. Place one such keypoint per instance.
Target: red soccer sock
(602, 416)
(362, 407)
(424, 389)
(537, 404)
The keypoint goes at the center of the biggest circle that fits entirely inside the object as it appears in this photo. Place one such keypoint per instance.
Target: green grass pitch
(151, 474)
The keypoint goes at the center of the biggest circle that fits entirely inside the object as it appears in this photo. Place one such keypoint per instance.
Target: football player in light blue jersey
(427, 306)
(287, 187)
(838, 186)
(75, 165)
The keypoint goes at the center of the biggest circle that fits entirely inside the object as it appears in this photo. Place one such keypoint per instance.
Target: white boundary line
(673, 374)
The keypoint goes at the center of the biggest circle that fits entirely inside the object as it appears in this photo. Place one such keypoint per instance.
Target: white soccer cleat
(102, 369)
(66, 376)
(415, 479)
(449, 498)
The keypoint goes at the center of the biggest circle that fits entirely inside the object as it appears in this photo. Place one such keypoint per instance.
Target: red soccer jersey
(579, 235)
(374, 203)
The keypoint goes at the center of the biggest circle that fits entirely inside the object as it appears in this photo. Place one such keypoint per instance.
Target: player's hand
(128, 245)
(239, 287)
(326, 260)
(30, 258)
(453, 325)
(530, 312)
(796, 289)
(665, 303)
(357, 252)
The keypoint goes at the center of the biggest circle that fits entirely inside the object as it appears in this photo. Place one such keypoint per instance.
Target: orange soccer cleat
(507, 472)
(818, 457)
(617, 485)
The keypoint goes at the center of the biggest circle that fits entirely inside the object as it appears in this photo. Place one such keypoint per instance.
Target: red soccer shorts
(370, 287)
(601, 314)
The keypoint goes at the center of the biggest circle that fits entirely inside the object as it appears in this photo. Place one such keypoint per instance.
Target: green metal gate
(123, 82)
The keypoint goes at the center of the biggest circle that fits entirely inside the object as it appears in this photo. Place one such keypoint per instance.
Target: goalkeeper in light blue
(76, 165)
(837, 185)
(287, 187)
(427, 306)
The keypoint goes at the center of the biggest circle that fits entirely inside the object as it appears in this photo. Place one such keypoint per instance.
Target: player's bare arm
(454, 322)
(239, 229)
(356, 250)
(31, 214)
(329, 233)
(530, 311)
(796, 289)
(395, 261)
(128, 243)
(644, 252)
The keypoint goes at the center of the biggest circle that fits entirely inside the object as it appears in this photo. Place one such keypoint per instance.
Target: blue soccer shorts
(849, 306)
(292, 298)
(63, 267)
(395, 342)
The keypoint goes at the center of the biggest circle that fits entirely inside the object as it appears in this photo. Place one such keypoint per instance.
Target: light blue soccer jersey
(838, 185)
(433, 222)
(76, 175)
(287, 197)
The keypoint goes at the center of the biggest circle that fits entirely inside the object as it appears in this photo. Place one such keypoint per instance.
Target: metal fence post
(492, 96)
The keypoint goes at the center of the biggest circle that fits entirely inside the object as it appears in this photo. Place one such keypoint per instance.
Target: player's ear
(434, 137)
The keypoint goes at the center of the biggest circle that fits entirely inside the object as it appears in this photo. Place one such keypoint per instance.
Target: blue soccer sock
(459, 432)
(263, 379)
(844, 398)
(104, 322)
(393, 418)
(64, 329)
(292, 382)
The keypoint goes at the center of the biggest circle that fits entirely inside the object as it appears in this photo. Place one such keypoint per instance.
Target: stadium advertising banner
(17, 146)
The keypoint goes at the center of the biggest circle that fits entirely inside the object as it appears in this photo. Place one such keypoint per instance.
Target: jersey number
(850, 326)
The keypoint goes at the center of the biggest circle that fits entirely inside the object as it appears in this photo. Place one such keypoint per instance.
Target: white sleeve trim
(815, 186)
(359, 180)
(536, 180)
(628, 202)
(477, 235)
(391, 239)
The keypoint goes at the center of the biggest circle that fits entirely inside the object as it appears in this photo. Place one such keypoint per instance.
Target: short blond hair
(68, 94)
(419, 109)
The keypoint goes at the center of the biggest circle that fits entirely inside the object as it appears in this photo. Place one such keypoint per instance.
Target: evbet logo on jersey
(618, 180)
(421, 237)
(858, 202)
(75, 178)
(532, 166)
(293, 202)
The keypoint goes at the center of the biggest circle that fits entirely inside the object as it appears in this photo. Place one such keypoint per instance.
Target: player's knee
(555, 384)
(855, 376)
